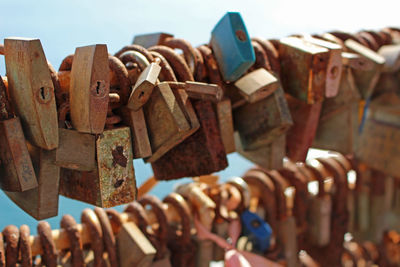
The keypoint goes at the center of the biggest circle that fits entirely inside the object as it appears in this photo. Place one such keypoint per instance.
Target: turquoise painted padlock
(232, 46)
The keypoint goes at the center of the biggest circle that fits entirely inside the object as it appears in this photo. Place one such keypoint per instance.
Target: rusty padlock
(32, 91)
(16, 165)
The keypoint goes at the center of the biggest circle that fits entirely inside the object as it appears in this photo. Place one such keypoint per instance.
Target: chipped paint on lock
(115, 165)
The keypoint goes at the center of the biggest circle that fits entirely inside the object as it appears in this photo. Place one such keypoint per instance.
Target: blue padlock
(232, 47)
(257, 230)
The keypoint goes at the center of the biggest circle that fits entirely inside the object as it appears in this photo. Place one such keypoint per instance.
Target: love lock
(180, 242)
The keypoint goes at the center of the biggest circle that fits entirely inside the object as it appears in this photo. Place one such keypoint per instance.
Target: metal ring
(89, 218)
(138, 48)
(24, 246)
(211, 65)
(167, 73)
(108, 236)
(179, 65)
(11, 237)
(115, 219)
(66, 64)
(69, 224)
(2, 251)
(187, 49)
(135, 57)
(261, 57)
(49, 256)
(243, 188)
(121, 73)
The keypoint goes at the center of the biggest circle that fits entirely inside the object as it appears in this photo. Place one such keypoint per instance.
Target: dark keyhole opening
(141, 94)
(98, 88)
(255, 223)
(42, 93)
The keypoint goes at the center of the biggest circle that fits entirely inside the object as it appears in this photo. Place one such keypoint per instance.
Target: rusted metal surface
(201, 153)
(69, 224)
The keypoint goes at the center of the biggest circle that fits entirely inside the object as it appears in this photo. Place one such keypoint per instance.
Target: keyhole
(98, 87)
(42, 93)
(141, 94)
(241, 35)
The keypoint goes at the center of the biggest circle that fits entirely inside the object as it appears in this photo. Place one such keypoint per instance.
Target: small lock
(257, 85)
(152, 39)
(232, 46)
(257, 230)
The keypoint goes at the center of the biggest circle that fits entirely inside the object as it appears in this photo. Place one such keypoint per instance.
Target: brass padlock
(303, 69)
(42, 201)
(89, 89)
(113, 180)
(16, 166)
(31, 90)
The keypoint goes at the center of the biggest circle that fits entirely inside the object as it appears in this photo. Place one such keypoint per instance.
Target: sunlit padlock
(232, 46)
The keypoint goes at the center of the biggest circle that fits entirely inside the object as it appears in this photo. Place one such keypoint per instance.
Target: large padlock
(112, 182)
(303, 69)
(16, 165)
(89, 89)
(338, 124)
(232, 46)
(40, 202)
(269, 156)
(379, 134)
(31, 90)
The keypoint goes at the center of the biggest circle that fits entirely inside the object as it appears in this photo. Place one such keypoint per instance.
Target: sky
(64, 25)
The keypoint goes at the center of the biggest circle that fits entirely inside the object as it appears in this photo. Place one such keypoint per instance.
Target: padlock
(134, 249)
(163, 254)
(366, 80)
(269, 156)
(76, 150)
(300, 136)
(113, 180)
(143, 87)
(16, 165)
(31, 90)
(165, 132)
(391, 54)
(338, 124)
(40, 202)
(203, 91)
(257, 230)
(222, 108)
(262, 122)
(152, 39)
(257, 85)
(303, 69)
(334, 66)
(180, 242)
(379, 134)
(232, 46)
(89, 89)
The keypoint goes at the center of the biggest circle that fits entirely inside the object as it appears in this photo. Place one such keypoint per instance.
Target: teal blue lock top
(232, 46)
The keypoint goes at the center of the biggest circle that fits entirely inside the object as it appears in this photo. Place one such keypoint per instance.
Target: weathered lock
(262, 122)
(40, 202)
(143, 87)
(180, 242)
(163, 254)
(269, 156)
(113, 180)
(76, 150)
(391, 54)
(89, 88)
(202, 153)
(222, 108)
(301, 135)
(31, 90)
(366, 80)
(232, 46)
(257, 85)
(152, 39)
(203, 91)
(339, 120)
(379, 134)
(16, 165)
(134, 249)
(334, 66)
(303, 69)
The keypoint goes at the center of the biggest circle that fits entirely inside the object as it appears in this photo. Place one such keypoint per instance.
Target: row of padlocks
(76, 131)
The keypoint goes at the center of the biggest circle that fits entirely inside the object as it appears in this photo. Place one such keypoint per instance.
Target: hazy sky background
(64, 25)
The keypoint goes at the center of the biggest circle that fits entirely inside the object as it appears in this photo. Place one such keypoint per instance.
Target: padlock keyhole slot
(42, 94)
(141, 94)
(241, 35)
(98, 87)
